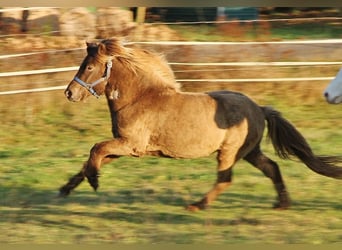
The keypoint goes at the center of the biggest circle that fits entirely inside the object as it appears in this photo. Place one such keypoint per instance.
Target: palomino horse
(151, 116)
(333, 92)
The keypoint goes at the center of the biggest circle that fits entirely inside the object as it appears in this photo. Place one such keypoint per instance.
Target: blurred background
(282, 57)
(269, 53)
(244, 43)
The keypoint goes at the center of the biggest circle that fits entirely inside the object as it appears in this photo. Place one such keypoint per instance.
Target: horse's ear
(92, 43)
(102, 50)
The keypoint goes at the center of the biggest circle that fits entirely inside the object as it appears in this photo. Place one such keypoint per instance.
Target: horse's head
(93, 73)
(333, 93)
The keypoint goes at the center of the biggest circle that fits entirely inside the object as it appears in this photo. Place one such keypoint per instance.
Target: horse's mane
(153, 68)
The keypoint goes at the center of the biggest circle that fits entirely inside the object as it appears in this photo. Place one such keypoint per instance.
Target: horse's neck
(129, 84)
(123, 93)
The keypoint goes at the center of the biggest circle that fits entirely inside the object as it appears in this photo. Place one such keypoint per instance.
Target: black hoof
(94, 182)
(281, 205)
(63, 192)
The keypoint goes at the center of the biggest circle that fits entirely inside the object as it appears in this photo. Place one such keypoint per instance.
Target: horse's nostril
(326, 94)
(68, 93)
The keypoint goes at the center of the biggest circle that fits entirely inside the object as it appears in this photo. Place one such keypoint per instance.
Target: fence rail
(186, 43)
(290, 79)
(190, 64)
(233, 80)
(240, 64)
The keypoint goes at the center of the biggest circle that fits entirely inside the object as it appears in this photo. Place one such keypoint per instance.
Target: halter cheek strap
(90, 86)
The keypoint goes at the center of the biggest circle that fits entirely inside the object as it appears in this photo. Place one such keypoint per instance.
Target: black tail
(287, 141)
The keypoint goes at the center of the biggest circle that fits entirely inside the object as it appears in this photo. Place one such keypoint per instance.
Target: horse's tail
(287, 141)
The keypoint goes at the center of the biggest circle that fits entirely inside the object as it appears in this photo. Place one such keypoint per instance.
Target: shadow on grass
(27, 205)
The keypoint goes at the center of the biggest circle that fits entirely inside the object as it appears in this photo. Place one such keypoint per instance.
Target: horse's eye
(90, 67)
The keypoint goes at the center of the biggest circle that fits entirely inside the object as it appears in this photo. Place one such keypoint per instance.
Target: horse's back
(233, 107)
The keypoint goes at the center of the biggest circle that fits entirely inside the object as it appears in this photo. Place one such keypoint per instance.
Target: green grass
(142, 200)
(44, 140)
(307, 31)
(260, 31)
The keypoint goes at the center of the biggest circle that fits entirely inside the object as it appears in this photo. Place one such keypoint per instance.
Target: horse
(333, 92)
(152, 116)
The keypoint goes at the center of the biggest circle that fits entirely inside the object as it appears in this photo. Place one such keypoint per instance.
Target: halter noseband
(90, 86)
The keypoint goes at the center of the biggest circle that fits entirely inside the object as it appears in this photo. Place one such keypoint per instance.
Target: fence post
(141, 15)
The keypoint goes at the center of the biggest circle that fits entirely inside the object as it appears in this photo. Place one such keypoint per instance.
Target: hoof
(94, 183)
(201, 205)
(192, 208)
(281, 206)
(95, 186)
(283, 201)
(63, 192)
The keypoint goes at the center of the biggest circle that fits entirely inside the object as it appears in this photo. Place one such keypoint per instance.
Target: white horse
(333, 93)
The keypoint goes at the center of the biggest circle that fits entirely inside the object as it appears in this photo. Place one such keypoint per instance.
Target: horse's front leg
(72, 183)
(100, 154)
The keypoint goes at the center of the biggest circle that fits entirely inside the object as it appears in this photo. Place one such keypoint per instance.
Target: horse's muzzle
(332, 99)
(72, 96)
(68, 94)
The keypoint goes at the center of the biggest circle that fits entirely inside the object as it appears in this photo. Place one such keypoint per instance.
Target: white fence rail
(233, 80)
(194, 64)
(290, 79)
(240, 64)
(189, 43)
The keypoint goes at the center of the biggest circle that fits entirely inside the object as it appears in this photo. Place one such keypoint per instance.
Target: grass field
(263, 31)
(141, 200)
(44, 140)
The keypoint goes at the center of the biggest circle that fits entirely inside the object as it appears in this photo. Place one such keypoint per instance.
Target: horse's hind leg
(226, 160)
(224, 179)
(226, 157)
(271, 170)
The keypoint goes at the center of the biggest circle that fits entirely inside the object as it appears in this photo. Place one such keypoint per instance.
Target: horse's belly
(194, 126)
(190, 145)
